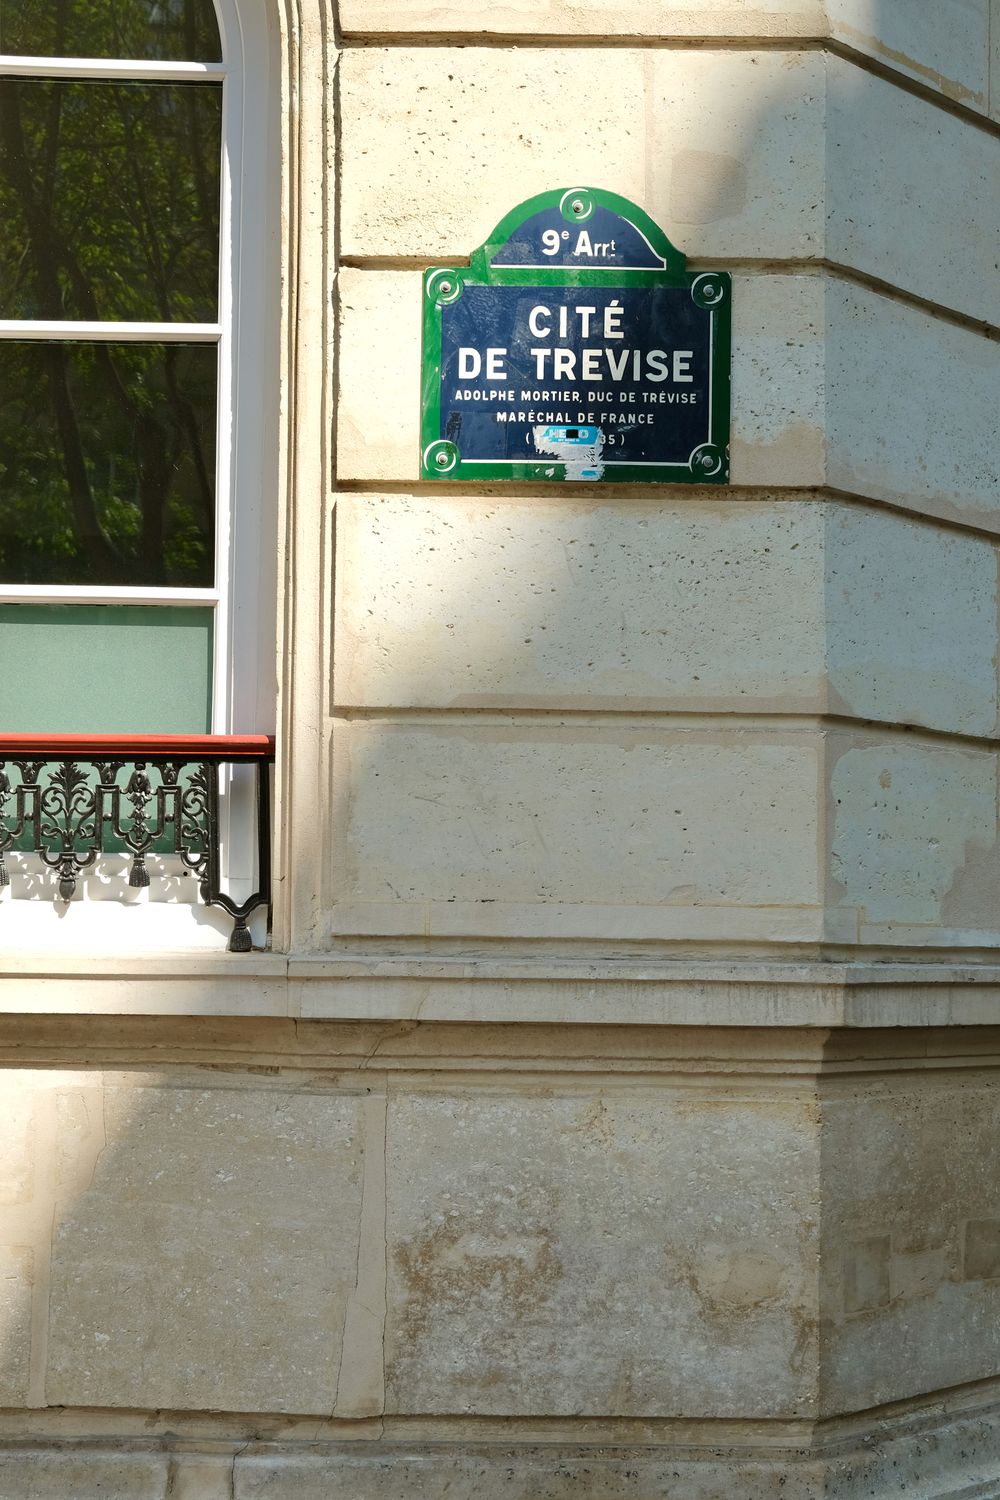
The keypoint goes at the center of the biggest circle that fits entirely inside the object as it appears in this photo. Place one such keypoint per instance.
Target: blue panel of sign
(523, 369)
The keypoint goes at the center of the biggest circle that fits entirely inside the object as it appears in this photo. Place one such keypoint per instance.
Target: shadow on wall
(175, 1238)
(225, 1247)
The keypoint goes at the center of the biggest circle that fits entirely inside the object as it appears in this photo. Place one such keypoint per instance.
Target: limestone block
(523, 1471)
(725, 150)
(910, 1192)
(835, 383)
(570, 18)
(591, 831)
(458, 826)
(464, 601)
(943, 46)
(378, 404)
(913, 839)
(40, 1473)
(911, 404)
(18, 1158)
(17, 1275)
(628, 1255)
(77, 1102)
(474, 602)
(209, 1263)
(779, 391)
(736, 152)
(198, 1476)
(911, 193)
(910, 621)
(434, 140)
(952, 1450)
(26, 1173)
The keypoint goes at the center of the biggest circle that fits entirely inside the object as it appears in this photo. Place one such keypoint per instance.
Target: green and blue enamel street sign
(576, 346)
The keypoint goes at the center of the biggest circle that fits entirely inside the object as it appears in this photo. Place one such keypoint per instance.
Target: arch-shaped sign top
(577, 230)
(576, 346)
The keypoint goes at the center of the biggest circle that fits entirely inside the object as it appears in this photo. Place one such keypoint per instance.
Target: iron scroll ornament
(576, 346)
(70, 808)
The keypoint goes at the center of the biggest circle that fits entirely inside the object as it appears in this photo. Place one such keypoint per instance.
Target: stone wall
(374, 1259)
(615, 1113)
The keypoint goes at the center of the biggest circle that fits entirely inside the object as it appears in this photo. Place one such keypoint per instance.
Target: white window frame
(243, 631)
(243, 594)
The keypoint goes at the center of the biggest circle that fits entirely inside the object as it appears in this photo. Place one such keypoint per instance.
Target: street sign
(576, 346)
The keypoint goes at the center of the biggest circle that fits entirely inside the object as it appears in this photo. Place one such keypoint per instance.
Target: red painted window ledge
(227, 747)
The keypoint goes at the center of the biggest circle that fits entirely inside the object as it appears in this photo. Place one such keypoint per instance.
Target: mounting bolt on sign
(576, 346)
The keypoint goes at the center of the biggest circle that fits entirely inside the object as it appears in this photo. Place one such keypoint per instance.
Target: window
(136, 547)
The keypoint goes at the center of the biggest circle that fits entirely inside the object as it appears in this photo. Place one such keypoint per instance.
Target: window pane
(110, 199)
(107, 463)
(105, 669)
(175, 30)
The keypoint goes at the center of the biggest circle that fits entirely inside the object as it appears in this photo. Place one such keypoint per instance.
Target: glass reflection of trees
(107, 463)
(164, 30)
(110, 197)
(111, 200)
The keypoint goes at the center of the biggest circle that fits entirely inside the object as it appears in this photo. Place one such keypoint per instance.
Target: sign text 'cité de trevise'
(575, 346)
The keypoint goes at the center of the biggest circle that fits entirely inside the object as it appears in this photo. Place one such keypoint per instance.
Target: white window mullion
(111, 68)
(71, 593)
(51, 330)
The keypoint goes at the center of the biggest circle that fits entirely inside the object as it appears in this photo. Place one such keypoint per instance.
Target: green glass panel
(110, 196)
(167, 30)
(107, 463)
(105, 669)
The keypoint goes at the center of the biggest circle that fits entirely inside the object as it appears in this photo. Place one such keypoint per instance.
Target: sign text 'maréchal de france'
(576, 346)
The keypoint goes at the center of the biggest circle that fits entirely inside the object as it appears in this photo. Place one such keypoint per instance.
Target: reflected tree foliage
(107, 463)
(110, 198)
(164, 30)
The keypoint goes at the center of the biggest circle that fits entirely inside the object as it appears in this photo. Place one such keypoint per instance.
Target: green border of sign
(709, 464)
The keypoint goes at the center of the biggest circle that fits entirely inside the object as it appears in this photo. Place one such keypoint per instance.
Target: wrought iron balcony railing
(68, 799)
